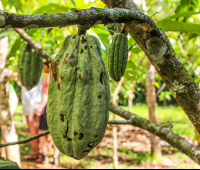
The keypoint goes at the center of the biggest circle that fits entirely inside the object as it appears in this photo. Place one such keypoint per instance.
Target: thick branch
(89, 16)
(43, 53)
(163, 132)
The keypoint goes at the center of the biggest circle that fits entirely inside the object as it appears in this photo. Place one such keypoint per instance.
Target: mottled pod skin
(30, 67)
(78, 96)
(118, 55)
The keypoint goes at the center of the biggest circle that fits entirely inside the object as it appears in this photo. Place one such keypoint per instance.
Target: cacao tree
(151, 39)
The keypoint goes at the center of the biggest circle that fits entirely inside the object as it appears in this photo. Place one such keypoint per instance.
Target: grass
(178, 118)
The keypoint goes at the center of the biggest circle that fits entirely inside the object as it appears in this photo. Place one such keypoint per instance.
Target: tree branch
(160, 90)
(91, 16)
(43, 53)
(25, 140)
(164, 132)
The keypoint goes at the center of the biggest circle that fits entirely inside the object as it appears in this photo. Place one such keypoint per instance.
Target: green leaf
(168, 25)
(4, 33)
(136, 50)
(52, 8)
(184, 14)
(73, 1)
(131, 71)
(16, 46)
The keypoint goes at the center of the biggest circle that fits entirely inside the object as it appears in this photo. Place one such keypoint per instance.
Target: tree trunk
(131, 96)
(151, 102)
(7, 123)
(114, 100)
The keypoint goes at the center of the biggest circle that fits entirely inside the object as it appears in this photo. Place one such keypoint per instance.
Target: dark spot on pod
(76, 47)
(28, 62)
(72, 156)
(62, 77)
(77, 68)
(66, 55)
(54, 70)
(59, 86)
(34, 82)
(65, 62)
(86, 72)
(81, 136)
(21, 69)
(91, 144)
(62, 117)
(86, 151)
(86, 47)
(90, 46)
(96, 136)
(99, 96)
(80, 76)
(75, 133)
(73, 37)
(72, 57)
(83, 40)
(101, 78)
(81, 51)
(69, 139)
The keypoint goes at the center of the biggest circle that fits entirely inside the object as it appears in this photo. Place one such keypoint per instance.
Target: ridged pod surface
(78, 96)
(118, 55)
(30, 67)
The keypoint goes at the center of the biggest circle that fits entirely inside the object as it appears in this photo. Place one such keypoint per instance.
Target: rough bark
(89, 17)
(151, 102)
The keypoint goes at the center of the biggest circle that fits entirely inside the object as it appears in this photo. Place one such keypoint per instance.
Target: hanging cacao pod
(78, 96)
(30, 67)
(118, 56)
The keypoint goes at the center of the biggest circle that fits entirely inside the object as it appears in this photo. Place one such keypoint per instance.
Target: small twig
(161, 89)
(25, 140)
(47, 132)
(154, 14)
(42, 35)
(121, 122)
(131, 47)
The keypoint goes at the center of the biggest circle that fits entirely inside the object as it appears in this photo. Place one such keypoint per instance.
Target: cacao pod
(118, 56)
(30, 67)
(7, 164)
(78, 96)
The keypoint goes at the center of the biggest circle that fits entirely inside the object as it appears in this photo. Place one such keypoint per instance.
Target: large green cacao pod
(118, 55)
(78, 96)
(30, 67)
